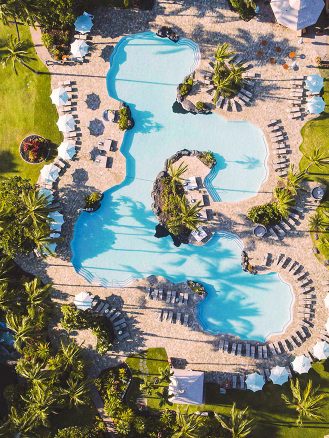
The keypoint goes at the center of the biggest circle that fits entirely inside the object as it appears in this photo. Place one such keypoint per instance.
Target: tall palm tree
(36, 208)
(23, 328)
(316, 223)
(293, 179)
(176, 174)
(188, 425)
(284, 200)
(223, 52)
(164, 397)
(165, 374)
(317, 158)
(236, 72)
(37, 294)
(224, 86)
(14, 53)
(238, 424)
(306, 403)
(189, 215)
(76, 392)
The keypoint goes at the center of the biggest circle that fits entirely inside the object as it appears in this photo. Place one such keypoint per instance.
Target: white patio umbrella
(59, 96)
(297, 14)
(79, 48)
(66, 150)
(83, 23)
(57, 220)
(255, 382)
(49, 173)
(314, 83)
(301, 364)
(316, 105)
(83, 300)
(279, 375)
(321, 350)
(326, 301)
(48, 193)
(66, 123)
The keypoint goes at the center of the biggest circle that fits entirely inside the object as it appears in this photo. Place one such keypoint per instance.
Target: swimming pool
(117, 243)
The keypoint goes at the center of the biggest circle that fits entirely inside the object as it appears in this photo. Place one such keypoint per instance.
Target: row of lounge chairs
(279, 139)
(170, 296)
(237, 103)
(298, 96)
(286, 225)
(174, 317)
(118, 320)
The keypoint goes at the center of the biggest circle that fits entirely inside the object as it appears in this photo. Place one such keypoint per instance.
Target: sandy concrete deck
(208, 23)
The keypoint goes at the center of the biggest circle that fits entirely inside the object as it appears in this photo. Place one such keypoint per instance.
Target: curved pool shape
(116, 244)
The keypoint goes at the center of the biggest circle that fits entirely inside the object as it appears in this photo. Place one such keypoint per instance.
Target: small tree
(238, 423)
(188, 425)
(15, 52)
(306, 403)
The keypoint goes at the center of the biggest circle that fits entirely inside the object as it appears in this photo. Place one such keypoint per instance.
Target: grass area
(272, 418)
(25, 109)
(315, 135)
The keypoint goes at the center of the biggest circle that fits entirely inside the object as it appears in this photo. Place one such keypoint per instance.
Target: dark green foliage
(75, 319)
(186, 86)
(266, 214)
(208, 158)
(125, 120)
(93, 199)
(245, 8)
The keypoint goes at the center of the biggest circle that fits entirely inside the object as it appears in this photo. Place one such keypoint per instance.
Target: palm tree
(37, 209)
(23, 328)
(188, 425)
(316, 223)
(176, 173)
(236, 73)
(76, 392)
(306, 403)
(238, 424)
(284, 200)
(223, 52)
(224, 86)
(317, 158)
(37, 294)
(164, 397)
(189, 215)
(293, 179)
(31, 370)
(165, 374)
(25, 10)
(147, 386)
(42, 239)
(15, 53)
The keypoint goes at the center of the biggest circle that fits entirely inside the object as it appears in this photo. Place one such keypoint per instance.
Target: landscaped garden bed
(34, 149)
(93, 202)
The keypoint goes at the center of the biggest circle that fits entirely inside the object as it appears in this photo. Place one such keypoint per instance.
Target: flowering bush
(34, 149)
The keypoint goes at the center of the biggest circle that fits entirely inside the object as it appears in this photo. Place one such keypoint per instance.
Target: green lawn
(272, 418)
(25, 109)
(315, 135)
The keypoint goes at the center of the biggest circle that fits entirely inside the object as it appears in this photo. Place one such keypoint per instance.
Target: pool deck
(201, 21)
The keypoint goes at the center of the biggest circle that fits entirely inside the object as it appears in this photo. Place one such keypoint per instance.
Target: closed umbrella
(66, 123)
(255, 382)
(48, 193)
(83, 23)
(57, 220)
(326, 301)
(301, 364)
(297, 14)
(83, 300)
(66, 150)
(279, 375)
(321, 350)
(316, 105)
(79, 48)
(59, 96)
(49, 173)
(314, 83)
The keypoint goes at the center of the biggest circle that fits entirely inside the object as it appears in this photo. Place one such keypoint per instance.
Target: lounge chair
(234, 381)
(179, 317)
(252, 351)
(272, 349)
(267, 259)
(226, 345)
(115, 315)
(186, 297)
(171, 316)
(225, 104)
(160, 315)
(273, 122)
(273, 233)
(221, 344)
(284, 226)
(243, 97)
(173, 297)
(168, 296)
(123, 336)
(242, 383)
(233, 348)
(181, 298)
(248, 350)
(246, 92)
(118, 322)
(239, 350)
(219, 101)
(281, 233)
(260, 351)
(186, 320)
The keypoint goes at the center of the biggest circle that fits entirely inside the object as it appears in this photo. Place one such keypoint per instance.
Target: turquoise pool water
(117, 243)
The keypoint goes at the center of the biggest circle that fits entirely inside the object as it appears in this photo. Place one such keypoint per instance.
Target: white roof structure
(255, 382)
(297, 14)
(321, 350)
(186, 386)
(314, 83)
(49, 173)
(190, 183)
(83, 300)
(316, 105)
(66, 123)
(66, 150)
(48, 193)
(279, 375)
(83, 23)
(199, 234)
(301, 364)
(326, 301)
(79, 48)
(59, 96)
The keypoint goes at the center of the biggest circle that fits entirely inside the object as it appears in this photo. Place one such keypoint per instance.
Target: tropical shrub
(266, 214)
(186, 86)
(125, 120)
(200, 106)
(34, 149)
(245, 8)
(208, 158)
(48, 40)
(92, 200)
